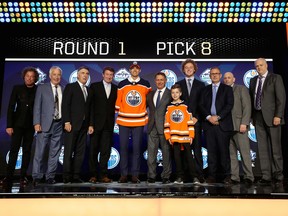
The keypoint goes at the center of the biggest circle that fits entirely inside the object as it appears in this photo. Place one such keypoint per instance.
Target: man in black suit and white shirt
(76, 108)
(191, 91)
(268, 116)
(104, 95)
(216, 104)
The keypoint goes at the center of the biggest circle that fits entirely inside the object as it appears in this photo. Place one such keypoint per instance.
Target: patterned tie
(214, 92)
(84, 92)
(158, 99)
(258, 93)
(56, 101)
(189, 86)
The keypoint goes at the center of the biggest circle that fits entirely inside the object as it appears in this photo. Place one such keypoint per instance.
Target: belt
(57, 120)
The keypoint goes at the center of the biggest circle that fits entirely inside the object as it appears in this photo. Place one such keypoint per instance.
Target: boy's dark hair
(176, 86)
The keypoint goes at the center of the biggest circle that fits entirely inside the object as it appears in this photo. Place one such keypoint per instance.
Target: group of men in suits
(222, 112)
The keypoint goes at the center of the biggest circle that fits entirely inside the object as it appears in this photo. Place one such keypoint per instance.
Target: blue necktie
(258, 94)
(189, 86)
(158, 99)
(214, 92)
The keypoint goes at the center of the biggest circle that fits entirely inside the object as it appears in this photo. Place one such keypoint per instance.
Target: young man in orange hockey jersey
(179, 131)
(132, 117)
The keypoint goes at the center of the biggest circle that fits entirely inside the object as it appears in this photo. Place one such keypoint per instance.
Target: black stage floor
(144, 189)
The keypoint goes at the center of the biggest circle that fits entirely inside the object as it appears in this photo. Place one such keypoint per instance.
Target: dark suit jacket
(193, 99)
(103, 108)
(224, 104)
(273, 98)
(157, 115)
(22, 98)
(74, 107)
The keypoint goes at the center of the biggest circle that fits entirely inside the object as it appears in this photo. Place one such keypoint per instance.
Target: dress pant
(50, 140)
(24, 137)
(101, 142)
(74, 152)
(154, 139)
(269, 149)
(137, 137)
(217, 142)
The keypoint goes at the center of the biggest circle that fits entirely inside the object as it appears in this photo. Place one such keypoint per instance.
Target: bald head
(229, 78)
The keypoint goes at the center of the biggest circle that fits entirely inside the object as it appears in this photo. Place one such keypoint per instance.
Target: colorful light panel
(143, 12)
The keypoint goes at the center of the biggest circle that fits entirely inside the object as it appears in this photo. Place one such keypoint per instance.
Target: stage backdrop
(163, 49)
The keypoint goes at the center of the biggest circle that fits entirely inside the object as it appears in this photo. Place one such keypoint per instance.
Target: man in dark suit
(191, 91)
(241, 114)
(216, 103)
(104, 98)
(268, 116)
(20, 124)
(76, 107)
(48, 125)
(157, 102)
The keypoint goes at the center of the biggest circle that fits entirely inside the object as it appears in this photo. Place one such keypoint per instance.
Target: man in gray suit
(268, 98)
(157, 102)
(48, 125)
(239, 141)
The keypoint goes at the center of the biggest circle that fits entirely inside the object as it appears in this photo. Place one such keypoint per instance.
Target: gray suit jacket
(156, 116)
(273, 97)
(43, 112)
(241, 112)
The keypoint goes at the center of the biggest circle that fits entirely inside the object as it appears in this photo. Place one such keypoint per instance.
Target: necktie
(108, 90)
(158, 99)
(56, 101)
(189, 86)
(258, 94)
(84, 92)
(214, 92)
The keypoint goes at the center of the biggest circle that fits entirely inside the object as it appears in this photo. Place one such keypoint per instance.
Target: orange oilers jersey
(178, 125)
(131, 103)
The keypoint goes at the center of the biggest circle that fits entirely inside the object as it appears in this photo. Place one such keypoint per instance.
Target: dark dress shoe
(105, 179)
(123, 179)
(93, 180)
(227, 180)
(135, 180)
(51, 181)
(210, 180)
(6, 181)
(166, 181)
(36, 182)
(67, 180)
(264, 182)
(201, 179)
(77, 180)
(151, 180)
(248, 182)
(278, 182)
(24, 181)
(235, 182)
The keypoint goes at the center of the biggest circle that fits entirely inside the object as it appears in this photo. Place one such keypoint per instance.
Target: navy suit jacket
(103, 110)
(224, 104)
(193, 99)
(74, 107)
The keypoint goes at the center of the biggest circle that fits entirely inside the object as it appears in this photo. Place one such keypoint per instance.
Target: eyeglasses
(215, 74)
